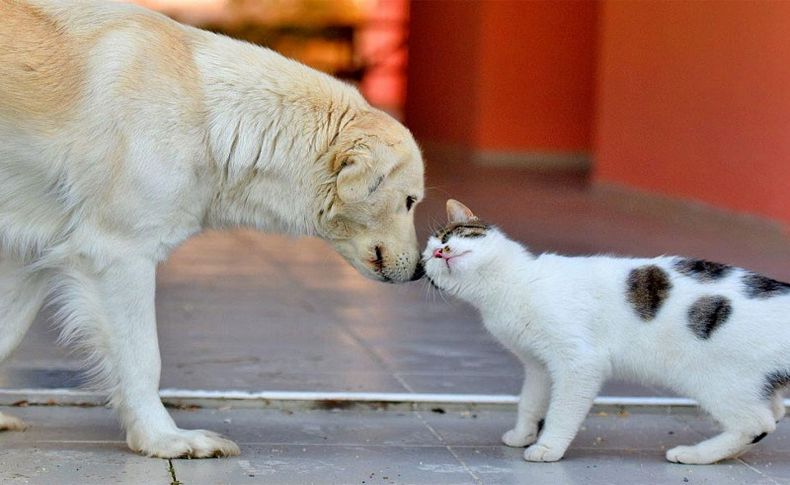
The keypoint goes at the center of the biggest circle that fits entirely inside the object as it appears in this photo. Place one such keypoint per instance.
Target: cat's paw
(688, 455)
(518, 439)
(540, 452)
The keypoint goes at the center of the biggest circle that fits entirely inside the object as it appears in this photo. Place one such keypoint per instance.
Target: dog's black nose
(419, 272)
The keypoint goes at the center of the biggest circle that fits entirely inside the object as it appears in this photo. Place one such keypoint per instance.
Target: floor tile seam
(372, 353)
(170, 469)
(449, 449)
(757, 471)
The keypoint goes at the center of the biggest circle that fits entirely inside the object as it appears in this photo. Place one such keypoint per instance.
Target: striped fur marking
(473, 228)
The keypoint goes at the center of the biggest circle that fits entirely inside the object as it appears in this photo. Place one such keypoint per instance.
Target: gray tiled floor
(83, 445)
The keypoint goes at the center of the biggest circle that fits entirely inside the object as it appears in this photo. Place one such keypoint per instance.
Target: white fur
(568, 319)
(155, 132)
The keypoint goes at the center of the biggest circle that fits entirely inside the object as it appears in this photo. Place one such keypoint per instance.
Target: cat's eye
(410, 200)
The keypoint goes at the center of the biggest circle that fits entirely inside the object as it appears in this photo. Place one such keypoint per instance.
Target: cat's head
(460, 248)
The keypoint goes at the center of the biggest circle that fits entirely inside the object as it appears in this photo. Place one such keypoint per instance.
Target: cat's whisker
(435, 225)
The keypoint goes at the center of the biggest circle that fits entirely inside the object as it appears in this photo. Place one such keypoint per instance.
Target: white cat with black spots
(716, 333)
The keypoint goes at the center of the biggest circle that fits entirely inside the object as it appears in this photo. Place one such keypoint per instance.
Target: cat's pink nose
(437, 253)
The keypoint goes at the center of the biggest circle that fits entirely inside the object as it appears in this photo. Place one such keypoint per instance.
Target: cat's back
(672, 315)
(586, 291)
(661, 276)
(601, 275)
(682, 297)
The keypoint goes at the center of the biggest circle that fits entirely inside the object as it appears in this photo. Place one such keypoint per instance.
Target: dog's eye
(410, 202)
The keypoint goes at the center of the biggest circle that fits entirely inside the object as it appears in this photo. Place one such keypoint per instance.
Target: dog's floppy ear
(361, 170)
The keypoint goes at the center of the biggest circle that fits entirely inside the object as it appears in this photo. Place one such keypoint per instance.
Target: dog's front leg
(131, 355)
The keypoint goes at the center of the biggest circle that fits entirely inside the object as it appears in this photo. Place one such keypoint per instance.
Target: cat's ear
(457, 212)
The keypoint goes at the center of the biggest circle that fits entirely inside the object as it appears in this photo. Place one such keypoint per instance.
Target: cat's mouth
(447, 257)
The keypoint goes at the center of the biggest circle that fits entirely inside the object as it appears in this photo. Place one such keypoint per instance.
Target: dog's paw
(541, 452)
(688, 455)
(11, 423)
(196, 443)
(517, 439)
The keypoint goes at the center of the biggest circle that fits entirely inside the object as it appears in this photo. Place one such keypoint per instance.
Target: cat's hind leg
(745, 423)
(21, 296)
(532, 405)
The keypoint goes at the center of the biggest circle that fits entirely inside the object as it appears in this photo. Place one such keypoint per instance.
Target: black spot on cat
(759, 437)
(706, 315)
(701, 270)
(759, 286)
(648, 287)
(775, 381)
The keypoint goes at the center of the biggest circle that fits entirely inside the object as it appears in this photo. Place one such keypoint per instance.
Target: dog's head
(368, 212)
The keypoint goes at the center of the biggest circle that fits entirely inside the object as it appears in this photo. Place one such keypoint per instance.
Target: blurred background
(686, 99)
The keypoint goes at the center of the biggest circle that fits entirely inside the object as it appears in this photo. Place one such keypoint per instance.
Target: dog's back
(83, 86)
(40, 82)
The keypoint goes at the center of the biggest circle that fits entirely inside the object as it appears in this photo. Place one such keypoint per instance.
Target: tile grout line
(750, 467)
(439, 437)
(373, 354)
(398, 377)
(171, 470)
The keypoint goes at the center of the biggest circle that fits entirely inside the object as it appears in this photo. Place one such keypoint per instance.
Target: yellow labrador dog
(123, 133)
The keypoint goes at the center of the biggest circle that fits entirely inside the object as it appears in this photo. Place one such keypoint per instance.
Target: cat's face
(458, 249)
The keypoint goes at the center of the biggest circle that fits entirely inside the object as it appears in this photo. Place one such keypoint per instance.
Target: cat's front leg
(575, 386)
(531, 405)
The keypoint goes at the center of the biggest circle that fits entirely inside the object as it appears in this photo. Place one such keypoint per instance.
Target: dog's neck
(267, 138)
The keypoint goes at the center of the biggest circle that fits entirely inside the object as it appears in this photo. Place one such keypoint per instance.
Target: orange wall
(536, 76)
(441, 82)
(689, 99)
(694, 101)
(502, 76)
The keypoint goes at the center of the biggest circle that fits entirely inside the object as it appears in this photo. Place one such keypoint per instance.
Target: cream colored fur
(123, 133)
